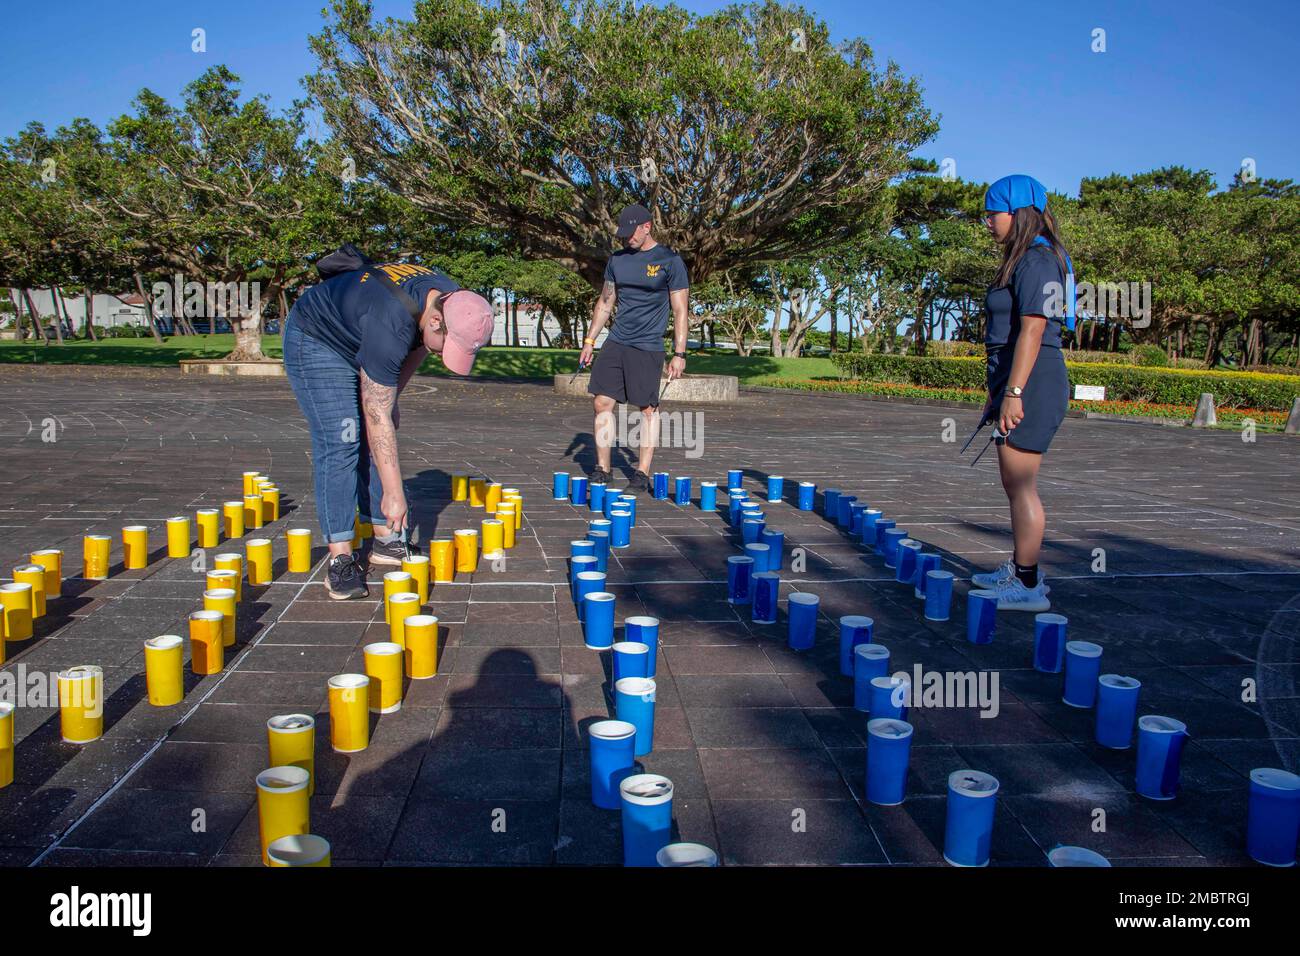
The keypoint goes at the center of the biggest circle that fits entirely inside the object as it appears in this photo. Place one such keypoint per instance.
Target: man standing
(351, 343)
(646, 279)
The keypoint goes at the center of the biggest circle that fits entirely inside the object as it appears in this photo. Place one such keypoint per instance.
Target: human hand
(677, 367)
(588, 351)
(394, 508)
(1011, 413)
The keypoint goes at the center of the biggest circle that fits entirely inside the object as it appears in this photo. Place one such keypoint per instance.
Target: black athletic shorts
(627, 374)
(1046, 397)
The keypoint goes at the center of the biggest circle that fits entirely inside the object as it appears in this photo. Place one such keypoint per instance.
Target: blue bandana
(1015, 192)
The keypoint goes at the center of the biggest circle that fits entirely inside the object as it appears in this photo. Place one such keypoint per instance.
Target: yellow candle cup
(493, 537)
(349, 697)
(34, 575)
(81, 704)
(259, 560)
(178, 537)
(417, 566)
(223, 600)
(270, 503)
(207, 642)
(252, 511)
(51, 559)
(299, 540)
(506, 515)
(250, 481)
(518, 502)
(477, 492)
(135, 547)
(6, 743)
(396, 582)
(442, 555)
(492, 497)
(282, 806)
(421, 633)
(164, 670)
(384, 668)
(400, 607)
(291, 741)
(466, 550)
(16, 605)
(460, 487)
(232, 561)
(208, 521)
(95, 556)
(233, 513)
(301, 849)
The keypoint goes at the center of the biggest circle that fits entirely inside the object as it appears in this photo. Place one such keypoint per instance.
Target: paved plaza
(1198, 533)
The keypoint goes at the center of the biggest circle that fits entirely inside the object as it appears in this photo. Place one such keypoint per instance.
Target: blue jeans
(329, 394)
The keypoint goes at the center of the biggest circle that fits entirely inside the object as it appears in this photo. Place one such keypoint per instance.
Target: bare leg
(604, 429)
(1019, 470)
(649, 437)
(340, 547)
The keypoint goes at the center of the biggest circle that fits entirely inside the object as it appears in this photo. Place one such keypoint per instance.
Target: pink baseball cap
(467, 318)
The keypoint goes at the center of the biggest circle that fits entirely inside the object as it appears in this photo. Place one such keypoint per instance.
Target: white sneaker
(1014, 596)
(1003, 572)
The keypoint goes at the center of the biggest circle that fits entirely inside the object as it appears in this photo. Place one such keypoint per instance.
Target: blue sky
(1018, 88)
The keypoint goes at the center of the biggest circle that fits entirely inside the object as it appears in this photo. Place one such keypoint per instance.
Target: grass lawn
(496, 362)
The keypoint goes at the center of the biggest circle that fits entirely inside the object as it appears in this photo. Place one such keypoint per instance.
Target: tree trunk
(835, 322)
(90, 315)
(35, 317)
(148, 309)
(56, 300)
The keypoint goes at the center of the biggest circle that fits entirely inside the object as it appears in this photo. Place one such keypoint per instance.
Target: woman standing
(1029, 391)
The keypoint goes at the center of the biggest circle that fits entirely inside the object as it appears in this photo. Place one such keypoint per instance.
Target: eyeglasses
(988, 214)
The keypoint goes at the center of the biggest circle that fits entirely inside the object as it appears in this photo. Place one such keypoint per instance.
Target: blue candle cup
(733, 508)
(612, 760)
(560, 486)
(629, 504)
(888, 696)
(869, 662)
(1273, 816)
(775, 541)
(761, 555)
(968, 828)
(644, 629)
(577, 490)
(775, 488)
(682, 491)
(889, 543)
(583, 562)
(751, 529)
(629, 659)
(1082, 668)
(1117, 701)
(889, 747)
(596, 497)
(938, 595)
(634, 701)
(867, 527)
(767, 589)
(905, 560)
(981, 616)
(855, 629)
(588, 582)
(926, 561)
(1160, 749)
(647, 800)
(740, 569)
(1062, 856)
(807, 495)
(830, 504)
(856, 511)
(1049, 642)
(581, 547)
(802, 608)
(843, 516)
(708, 496)
(598, 619)
(601, 540)
(607, 506)
(620, 528)
(599, 524)
(733, 478)
(686, 854)
(877, 543)
(661, 485)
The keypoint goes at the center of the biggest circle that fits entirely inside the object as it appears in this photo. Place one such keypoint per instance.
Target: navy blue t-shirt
(642, 280)
(1031, 292)
(357, 316)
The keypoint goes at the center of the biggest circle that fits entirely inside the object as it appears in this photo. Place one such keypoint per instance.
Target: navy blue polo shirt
(1030, 292)
(642, 281)
(358, 317)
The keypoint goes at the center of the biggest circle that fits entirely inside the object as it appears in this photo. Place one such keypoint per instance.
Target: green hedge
(1129, 383)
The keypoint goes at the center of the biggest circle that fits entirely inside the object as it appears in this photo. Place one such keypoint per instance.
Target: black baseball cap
(630, 218)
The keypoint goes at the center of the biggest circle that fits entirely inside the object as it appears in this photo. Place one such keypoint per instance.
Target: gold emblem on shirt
(651, 271)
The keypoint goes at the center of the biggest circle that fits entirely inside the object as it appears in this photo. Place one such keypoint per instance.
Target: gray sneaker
(1001, 574)
(345, 578)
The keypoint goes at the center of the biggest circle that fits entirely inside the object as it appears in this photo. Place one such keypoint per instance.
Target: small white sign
(1090, 393)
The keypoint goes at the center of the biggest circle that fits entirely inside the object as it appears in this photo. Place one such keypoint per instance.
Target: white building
(531, 316)
(109, 311)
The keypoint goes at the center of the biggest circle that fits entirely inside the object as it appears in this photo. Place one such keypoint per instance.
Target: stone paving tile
(487, 763)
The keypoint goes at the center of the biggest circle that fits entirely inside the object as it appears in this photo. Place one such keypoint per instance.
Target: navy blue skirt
(1046, 397)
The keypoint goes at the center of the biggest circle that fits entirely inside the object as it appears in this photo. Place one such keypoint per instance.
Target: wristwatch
(1014, 391)
(680, 355)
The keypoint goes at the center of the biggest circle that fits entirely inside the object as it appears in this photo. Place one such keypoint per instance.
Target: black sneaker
(391, 553)
(600, 476)
(345, 578)
(640, 482)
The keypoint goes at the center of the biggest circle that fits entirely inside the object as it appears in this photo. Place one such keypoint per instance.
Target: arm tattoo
(607, 293)
(377, 405)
